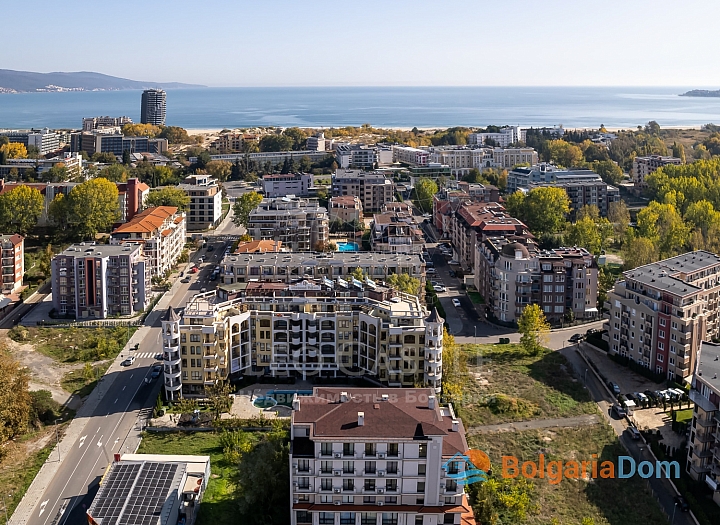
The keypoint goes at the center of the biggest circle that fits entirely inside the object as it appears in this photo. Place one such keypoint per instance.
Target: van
(634, 433)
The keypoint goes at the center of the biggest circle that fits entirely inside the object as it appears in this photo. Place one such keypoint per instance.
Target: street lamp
(57, 438)
(672, 522)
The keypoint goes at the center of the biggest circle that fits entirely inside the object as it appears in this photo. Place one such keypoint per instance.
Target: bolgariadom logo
(476, 467)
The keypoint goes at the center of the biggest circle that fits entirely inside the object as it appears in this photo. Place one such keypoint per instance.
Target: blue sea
(424, 107)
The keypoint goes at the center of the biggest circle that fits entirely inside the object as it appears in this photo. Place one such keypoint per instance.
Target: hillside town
(371, 303)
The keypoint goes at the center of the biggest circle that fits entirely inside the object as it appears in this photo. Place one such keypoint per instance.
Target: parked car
(186, 280)
(454, 262)
(615, 389)
(452, 273)
(129, 361)
(576, 338)
(640, 397)
(203, 290)
(619, 411)
(679, 393)
(456, 303)
(680, 502)
(634, 433)
(651, 395)
(631, 397)
(431, 271)
(195, 269)
(661, 394)
(439, 288)
(158, 357)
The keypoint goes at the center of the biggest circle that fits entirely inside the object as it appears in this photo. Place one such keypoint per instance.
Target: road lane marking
(82, 441)
(124, 388)
(99, 443)
(115, 400)
(43, 505)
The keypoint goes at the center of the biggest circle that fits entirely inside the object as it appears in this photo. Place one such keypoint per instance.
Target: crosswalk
(144, 355)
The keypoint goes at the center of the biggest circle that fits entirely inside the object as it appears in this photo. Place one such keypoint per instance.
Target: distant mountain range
(701, 93)
(29, 82)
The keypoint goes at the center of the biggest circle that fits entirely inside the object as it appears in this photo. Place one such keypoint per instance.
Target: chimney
(343, 397)
(296, 402)
(385, 397)
(431, 402)
(361, 418)
(455, 425)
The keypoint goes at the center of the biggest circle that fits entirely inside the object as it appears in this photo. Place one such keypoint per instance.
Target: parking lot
(628, 381)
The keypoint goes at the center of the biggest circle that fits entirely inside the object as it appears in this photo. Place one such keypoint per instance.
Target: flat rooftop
(315, 259)
(99, 250)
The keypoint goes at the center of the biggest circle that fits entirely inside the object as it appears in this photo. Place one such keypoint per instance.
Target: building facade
(45, 140)
(160, 231)
(91, 123)
(152, 107)
(463, 159)
(504, 138)
(304, 328)
(411, 156)
(93, 281)
(280, 185)
(316, 142)
(345, 208)
(661, 312)
(511, 273)
(358, 156)
(644, 166)
(373, 189)
(396, 232)
(205, 210)
(300, 224)
(376, 456)
(13, 262)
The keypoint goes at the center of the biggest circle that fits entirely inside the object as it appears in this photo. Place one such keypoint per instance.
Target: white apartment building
(356, 156)
(376, 456)
(463, 159)
(205, 202)
(91, 123)
(505, 137)
(160, 231)
(316, 142)
(301, 224)
(305, 328)
(280, 185)
(411, 156)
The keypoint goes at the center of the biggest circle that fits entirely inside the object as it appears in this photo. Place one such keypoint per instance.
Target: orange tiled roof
(147, 221)
(259, 246)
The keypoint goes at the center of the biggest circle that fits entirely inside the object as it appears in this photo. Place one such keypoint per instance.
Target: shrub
(43, 407)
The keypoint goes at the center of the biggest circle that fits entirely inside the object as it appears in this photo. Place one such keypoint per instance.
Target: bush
(19, 334)
(43, 407)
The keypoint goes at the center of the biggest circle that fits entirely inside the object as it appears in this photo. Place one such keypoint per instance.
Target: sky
(371, 42)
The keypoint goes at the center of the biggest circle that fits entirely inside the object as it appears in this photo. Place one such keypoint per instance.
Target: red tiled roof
(147, 221)
(259, 246)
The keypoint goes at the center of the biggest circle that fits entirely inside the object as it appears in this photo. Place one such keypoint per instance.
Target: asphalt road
(122, 408)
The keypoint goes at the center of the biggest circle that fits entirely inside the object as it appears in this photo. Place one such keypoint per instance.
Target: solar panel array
(137, 491)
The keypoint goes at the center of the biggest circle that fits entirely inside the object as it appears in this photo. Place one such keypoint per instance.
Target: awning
(591, 310)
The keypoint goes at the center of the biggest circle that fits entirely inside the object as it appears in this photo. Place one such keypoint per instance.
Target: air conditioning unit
(380, 503)
(381, 491)
(442, 485)
(337, 502)
(336, 490)
(381, 455)
(337, 472)
(381, 473)
(338, 455)
(295, 500)
(294, 465)
(294, 483)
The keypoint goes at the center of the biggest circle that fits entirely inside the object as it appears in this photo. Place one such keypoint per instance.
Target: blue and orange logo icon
(476, 466)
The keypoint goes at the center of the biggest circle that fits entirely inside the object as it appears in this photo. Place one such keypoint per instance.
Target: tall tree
(244, 204)
(58, 173)
(619, 216)
(534, 329)
(609, 171)
(20, 209)
(542, 209)
(114, 173)
(405, 283)
(664, 227)
(639, 252)
(14, 150)
(678, 151)
(220, 169)
(168, 196)
(141, 130)
(14, 397)
(584, 234)
(564, 154)
(93, 207)
(424, 190)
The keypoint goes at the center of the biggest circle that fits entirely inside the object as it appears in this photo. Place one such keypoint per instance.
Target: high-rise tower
(152, 110)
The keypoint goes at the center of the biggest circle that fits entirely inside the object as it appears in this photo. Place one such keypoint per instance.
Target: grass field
(504, 384)
(70, 345)
(218, 506)
(604, 501)
(80, 384)
(682, 416)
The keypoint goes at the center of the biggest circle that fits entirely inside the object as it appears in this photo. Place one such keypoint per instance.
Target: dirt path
(45, 372)
(575, 421)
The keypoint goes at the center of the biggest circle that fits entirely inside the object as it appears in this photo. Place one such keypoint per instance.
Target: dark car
(210, 248)
(619, 411)
(576, 338)
(633, 398)
(156, 371)
(615, 389)
(651, 395)
(680, 502)
(622, 398)
(452, 273)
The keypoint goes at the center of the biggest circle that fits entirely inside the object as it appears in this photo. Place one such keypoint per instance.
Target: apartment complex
(286, 267)
(345, 208)
(280, 185)
(544, 173)
(72, 161)
(373, 189)
(161, 233)
(511, 273)
(588, 193)
(13, 262)
(661, 312)
(306, 327)
(205, 202)
(93, 281)
(317, 142)
(703, 461)
(91, 123)
(644, 166)
(359, 156)
(462, 159)
(45, 140)
(376, 456)
(275, 158)
(233, 141)
(131, 196)
(411, 156)
(473, 222)
(110, 140)
(152, 107)
(396, 232)
(503, 138)
(300, 224)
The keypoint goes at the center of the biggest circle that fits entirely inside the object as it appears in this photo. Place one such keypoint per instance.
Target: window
(326, 449)
(326, 484)
(418, 520)
(662, 322)
(196, 375)
(369, 484)
(661, 333)
(392, 451)
(348, 484)
(303, 465)
(303, 516)
(348, 467)
(369, 499)
(661, 346)
(368, 518)
(420, 487)
(390, 518)
(348, 449)
(559, 309)
(392, 467)
(449, 519)
(369, 449)
(390, 485)
(325, 467)
(660, 358)
(451, 485)
(559, 288)
(369, 467)
(327, 518)
(303, 483)
(423, 450)
(347, 518)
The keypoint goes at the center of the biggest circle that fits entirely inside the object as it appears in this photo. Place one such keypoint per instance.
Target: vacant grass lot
(82, 382)
(218, 506)
(504, 384)
(70, 345)
(605, 501)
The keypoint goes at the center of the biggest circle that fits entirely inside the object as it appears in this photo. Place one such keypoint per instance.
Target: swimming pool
(348, 247)
(285, 397)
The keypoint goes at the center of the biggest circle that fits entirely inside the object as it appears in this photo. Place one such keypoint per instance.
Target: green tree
(678, 151)
(45, 261)
(220, 169)
(219, 397)
(589, 210)
(104, 157)
(609, 171)
(262, 483)
(175, 135)
(168, 196)
(126, 158)
(244, 204)
(424, 190)
(15, 400)
(141, 130)
(663, 225)
(619, 217)
(534, 329)
(114, 173)
(92, 207)
(542, 209)
(585, 234)
(404, 283)
(58, 173)
(639, 252)
(276, 143)
(564, 154)
(20, 209)
(502, 500)
(454, 369)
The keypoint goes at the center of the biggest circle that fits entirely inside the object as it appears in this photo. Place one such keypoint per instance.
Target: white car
(456, 303)
(431, 271)
(439, 288)
(129, 361)
(456, 263)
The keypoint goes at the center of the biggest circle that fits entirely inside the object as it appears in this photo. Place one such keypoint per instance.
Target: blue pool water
(348, 246)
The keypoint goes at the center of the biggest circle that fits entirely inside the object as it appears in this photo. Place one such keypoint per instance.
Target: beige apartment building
(305, 328)
(345, 208)
(644, 166)
(373, 189)
(661, 312)
(205, 210)
(301, 225)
